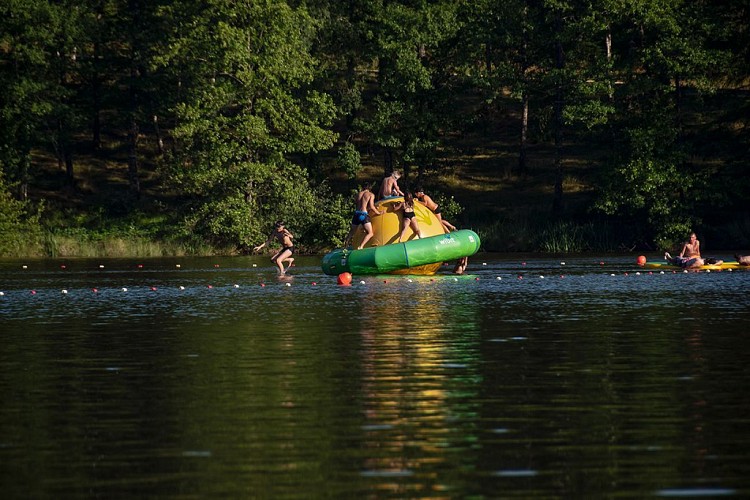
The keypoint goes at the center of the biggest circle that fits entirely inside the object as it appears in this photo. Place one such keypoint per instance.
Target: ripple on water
(695, 492)
(516, 473)
(387, 473)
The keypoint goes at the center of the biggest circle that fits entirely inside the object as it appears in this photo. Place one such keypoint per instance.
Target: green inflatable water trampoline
(417, 256)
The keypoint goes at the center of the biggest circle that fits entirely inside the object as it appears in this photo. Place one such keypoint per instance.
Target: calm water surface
(216, 379)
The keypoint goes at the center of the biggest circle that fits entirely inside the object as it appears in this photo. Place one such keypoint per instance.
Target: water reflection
(552, 381)
(419, 358)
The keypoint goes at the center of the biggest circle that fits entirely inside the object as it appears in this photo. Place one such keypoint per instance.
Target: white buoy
(708, 270)
(455, 279)
(612, 274)
(24, 267)
(562, 263)
(361, 282)
(177, 266)
(2, 294)
(484, 263)
(236, 286)
(662, 272)
(101, 266)
(124, 289)
(255, 265)
(499, 278)
(289, 284)
(182, 287)
(64, 291)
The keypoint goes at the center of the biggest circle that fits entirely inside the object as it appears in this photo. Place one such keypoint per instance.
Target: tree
(19, 222)
(37, 51)
(245, 108)
(412, 103)
(661, 47)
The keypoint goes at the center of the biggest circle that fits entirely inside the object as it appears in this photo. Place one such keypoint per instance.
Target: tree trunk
(522, 165)
(351, 82)
(388, 161)
(557, 203)
(135, 7)
(64, 153)
(135, 185)
(678, 106)
(69, 175)
(159, 140)
(23, 185)
(96, 125)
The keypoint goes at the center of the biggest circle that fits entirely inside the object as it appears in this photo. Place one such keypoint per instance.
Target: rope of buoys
(346, 279)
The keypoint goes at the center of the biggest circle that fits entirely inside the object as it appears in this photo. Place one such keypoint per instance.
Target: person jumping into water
(284, 237)
(364, 203)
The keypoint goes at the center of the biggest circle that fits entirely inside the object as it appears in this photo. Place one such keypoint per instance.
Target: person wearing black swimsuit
(409, 220)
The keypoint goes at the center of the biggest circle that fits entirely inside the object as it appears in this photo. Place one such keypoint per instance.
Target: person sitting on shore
(429, 203)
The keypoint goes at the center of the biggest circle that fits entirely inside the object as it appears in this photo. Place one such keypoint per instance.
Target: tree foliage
(245, 71)
(235, 101)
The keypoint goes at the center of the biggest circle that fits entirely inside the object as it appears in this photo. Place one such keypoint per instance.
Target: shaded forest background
(133, 127)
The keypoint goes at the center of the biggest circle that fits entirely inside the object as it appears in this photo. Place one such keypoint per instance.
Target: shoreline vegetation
(552, 237)
(549, 127)
(556, 237)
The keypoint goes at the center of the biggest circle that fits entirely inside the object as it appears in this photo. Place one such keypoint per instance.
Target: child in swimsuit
(409, 217)
(284, 237)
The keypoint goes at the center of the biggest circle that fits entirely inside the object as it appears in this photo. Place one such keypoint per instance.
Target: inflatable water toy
(384, 255)
(420, 256)
(707, 267)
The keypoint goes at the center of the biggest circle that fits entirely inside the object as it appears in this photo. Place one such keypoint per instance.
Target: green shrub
(20, 234)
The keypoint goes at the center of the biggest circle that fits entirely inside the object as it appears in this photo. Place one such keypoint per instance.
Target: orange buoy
(345, 279)
(641, 260)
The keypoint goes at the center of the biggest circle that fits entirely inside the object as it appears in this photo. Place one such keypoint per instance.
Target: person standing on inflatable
(429, 203)
(389, 186)
(364, 203)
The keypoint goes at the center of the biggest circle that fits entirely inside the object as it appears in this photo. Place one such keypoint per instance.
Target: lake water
(575, 377)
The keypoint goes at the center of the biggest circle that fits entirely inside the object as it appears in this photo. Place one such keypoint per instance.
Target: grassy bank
(88, 243)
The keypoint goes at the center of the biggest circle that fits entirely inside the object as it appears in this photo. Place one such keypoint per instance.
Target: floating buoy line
(346, 279)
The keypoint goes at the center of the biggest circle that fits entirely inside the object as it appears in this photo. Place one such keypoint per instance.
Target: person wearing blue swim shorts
(364, 203)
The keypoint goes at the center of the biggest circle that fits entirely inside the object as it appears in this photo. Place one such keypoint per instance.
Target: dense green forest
(134, 127)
